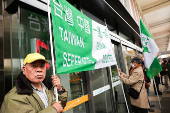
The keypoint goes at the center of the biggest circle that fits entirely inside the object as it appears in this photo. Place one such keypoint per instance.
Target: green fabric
(150, 50)
(154, 69)
(72, 45)
(15, 103)
(144, 29)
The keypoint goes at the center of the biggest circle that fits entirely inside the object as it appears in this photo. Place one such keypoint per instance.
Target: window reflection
(120, 104)
(115, 75)
(119, 100)
(102, 101)
(74, 83)
(128, 54)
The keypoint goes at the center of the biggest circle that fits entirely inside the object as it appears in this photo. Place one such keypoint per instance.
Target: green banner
(81, 44)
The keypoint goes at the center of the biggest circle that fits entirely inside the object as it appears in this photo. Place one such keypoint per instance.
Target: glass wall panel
(128, 54)
(15, 48)
(2, 77)
(7, 51)
(119, 100)
(75, 84)
(102, 101)
(120, 103)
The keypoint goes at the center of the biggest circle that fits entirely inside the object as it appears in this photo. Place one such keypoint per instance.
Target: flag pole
(156, 91)
(121, 81)
(52, 55)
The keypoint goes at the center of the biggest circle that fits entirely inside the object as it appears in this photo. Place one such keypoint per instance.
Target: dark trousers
(157, 80)
(161, 79)
(157, 86)
(139, 110)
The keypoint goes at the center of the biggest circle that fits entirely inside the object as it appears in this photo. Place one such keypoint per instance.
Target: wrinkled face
(35, 71)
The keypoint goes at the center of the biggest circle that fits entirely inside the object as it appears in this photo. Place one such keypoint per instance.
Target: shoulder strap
(134, 83)
(142, 86)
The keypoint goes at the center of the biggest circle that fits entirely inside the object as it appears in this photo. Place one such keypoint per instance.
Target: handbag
(133, 93)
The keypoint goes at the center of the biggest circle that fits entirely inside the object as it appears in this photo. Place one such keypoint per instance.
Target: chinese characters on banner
(81, 44)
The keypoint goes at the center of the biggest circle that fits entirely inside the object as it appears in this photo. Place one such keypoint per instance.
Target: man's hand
(58, 107)
(56, 82)
(148, 84)
(166, 69)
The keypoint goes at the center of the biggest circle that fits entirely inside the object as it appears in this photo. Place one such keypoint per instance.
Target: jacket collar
(24, 86)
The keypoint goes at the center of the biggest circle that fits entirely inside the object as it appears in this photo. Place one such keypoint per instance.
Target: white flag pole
(119, 75)
(156, 92)
(52, 55)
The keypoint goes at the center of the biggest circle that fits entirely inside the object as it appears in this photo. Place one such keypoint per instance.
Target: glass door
(76, 85)
(101, 91)
(118, 91)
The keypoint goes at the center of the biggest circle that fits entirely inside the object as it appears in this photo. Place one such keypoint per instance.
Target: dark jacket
(164, 67)
(23, 99)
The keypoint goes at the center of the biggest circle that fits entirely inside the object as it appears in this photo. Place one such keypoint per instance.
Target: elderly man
(33, 93)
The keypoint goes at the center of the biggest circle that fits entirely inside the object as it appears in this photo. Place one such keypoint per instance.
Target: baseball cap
(33, 57)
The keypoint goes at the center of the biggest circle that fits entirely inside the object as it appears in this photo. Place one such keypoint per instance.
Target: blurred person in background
(157, 82)
(165, 67)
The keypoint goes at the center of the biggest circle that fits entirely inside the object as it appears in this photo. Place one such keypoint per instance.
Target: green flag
(81, 44)
(150, 50)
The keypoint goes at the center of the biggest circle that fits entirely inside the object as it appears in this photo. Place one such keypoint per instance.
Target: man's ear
(23, 69)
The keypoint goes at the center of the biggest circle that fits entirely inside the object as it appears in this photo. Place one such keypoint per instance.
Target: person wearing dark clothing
(169, 68)
(157, 82)
(165, 72)
(161, 73)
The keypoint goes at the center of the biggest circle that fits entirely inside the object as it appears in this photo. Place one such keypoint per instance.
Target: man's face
(35, 71)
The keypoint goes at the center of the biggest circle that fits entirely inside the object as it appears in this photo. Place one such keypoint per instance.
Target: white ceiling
(145, 2)
(157, 15)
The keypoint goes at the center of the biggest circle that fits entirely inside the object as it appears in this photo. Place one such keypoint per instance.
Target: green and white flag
(81, 44)
(150, 50)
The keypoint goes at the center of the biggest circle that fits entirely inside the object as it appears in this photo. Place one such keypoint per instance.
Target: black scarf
(24, 86)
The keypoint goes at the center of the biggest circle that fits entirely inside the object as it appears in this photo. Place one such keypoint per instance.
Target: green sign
(81, 44)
